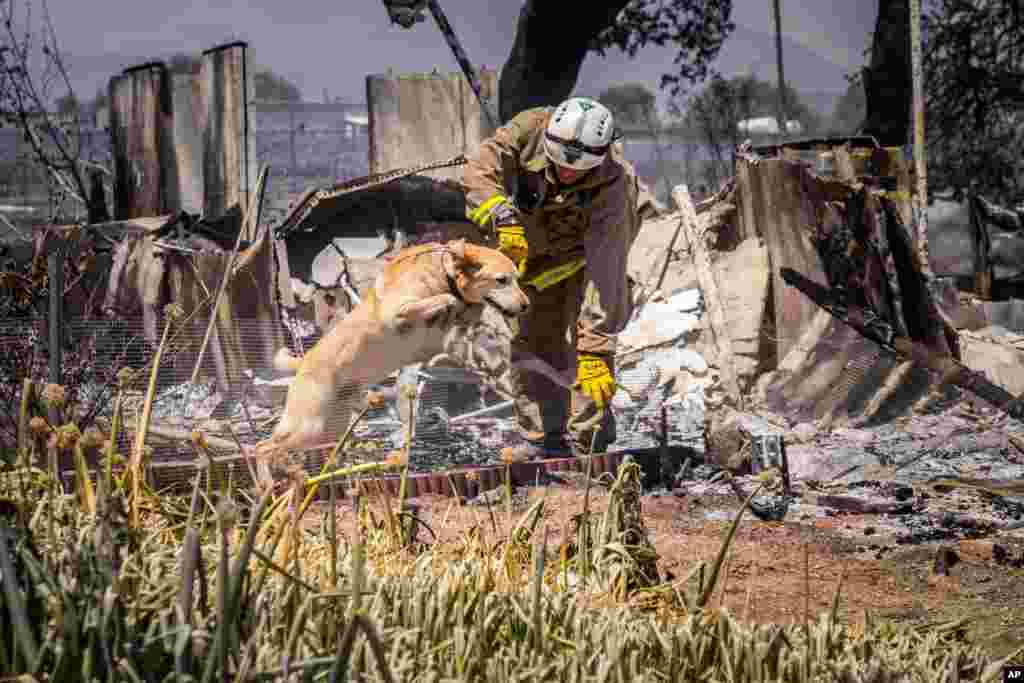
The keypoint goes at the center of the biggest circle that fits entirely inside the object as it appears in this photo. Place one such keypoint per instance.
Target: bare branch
(32, 71)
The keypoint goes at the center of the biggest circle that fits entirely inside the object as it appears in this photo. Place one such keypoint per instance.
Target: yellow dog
(410, 316)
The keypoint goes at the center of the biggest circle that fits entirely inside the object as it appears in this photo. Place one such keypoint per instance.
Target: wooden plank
(227, 157)
(418, 118)
(138, 110)
(781, 203)
(717, 321)
(186, 135)
(743, 277)
(747, 220)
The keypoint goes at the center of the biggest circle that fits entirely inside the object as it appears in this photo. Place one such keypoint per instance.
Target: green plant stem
(541, 550)
(508, 492)
(282, 571)
(706, 589)
(24, 438)
(584, 551)
(314, 482)
(16, 601)
(143, 426)
(233, 585)
(332, 532)
(359, 622)
(358, 565)
(407, 450)
(115, 430)
(490, 512)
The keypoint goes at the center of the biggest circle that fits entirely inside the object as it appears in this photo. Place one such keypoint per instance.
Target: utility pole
(783, 118)
(407, 13)
(920, 158)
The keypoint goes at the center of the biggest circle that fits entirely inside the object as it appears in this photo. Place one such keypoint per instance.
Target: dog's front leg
(427, 309)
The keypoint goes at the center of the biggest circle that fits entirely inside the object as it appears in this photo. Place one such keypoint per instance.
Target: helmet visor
(573, 153)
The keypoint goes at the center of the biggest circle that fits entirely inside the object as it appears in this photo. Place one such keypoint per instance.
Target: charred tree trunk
(888, 86)
(552, 38)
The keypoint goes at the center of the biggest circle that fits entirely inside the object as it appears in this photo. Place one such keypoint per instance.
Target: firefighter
(552, 189)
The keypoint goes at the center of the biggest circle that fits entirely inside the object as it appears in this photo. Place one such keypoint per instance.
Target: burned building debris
(724, 367)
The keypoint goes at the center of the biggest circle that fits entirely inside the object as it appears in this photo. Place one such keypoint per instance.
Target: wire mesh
(238, 396)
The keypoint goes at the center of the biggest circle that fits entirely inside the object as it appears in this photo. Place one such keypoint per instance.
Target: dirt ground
(764, 579)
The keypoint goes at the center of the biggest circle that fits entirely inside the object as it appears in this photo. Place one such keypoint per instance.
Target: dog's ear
(458, 249)
(466, 256)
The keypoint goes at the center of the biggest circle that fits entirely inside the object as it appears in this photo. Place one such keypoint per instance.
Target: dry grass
(114, 582)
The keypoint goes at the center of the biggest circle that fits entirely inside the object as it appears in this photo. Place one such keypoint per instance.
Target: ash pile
(664, 382)
(892, 444)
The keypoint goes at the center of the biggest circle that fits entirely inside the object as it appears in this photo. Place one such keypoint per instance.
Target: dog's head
(485, 275)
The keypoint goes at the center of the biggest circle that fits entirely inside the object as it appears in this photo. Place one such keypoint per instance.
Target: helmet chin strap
(578, 175)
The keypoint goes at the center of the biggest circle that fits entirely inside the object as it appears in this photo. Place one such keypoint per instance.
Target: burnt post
(227, 177)
(139, 106)
(55, 324)
(184, 138)
(55, 330)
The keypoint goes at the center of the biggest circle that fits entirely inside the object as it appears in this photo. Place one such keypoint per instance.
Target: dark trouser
(544, 410)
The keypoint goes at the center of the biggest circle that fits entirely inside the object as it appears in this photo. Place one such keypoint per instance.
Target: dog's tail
(286, 362)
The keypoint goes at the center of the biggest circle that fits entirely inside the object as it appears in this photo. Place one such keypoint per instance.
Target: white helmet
(579, 133)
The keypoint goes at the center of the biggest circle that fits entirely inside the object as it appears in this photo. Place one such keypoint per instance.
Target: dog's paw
(427, 309)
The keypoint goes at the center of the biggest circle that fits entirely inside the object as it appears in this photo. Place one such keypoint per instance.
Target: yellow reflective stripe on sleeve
(516, 230)
(484, 211)
(556, 275)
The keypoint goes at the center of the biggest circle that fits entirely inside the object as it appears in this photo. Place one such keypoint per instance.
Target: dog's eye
(504, 279)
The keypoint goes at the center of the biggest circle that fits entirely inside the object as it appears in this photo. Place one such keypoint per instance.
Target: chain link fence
(459, 422)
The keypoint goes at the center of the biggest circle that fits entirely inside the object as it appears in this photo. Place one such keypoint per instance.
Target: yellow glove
(595, 379)
(512, 243)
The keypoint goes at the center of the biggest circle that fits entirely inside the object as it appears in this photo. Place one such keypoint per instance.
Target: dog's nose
(524, 303)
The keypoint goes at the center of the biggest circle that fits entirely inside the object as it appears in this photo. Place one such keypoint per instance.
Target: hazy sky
(334, 44)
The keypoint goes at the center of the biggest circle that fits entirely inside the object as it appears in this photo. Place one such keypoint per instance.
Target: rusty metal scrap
(310, 200)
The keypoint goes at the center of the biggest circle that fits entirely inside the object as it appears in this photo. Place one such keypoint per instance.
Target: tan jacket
(596, 217)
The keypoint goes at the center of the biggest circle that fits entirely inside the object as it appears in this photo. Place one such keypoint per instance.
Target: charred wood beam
(888, 85)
